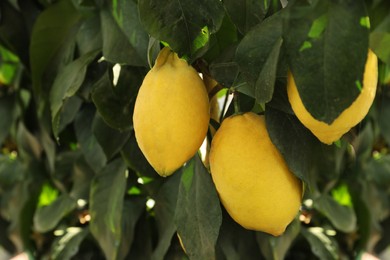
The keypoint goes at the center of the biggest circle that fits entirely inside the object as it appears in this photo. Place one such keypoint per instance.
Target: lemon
(171, 113)
(328, 133)
(252, 179)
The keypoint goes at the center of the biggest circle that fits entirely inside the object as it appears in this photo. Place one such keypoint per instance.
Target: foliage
(73, 182)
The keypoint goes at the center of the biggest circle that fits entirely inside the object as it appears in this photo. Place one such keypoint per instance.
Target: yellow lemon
(171, 113)
(252, 179)
(328, 133)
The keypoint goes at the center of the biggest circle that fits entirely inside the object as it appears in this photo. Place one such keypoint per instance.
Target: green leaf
(67, 246)
(225, 73)
(66, 84)
(378, 170)
(82, 176)
(258, 56)
(7, 115)
(383, 113)
(198, 214)
(106, 205)
(9, 64)
(380, 37)
(49, 36)
(327, 49)
(165, 206)
(116, 46)
(90, 147)
(379, 43)
(125, 13)
(321, 245)
(135, 159)
(48, 195)
(116, 103)
(342, 217)
(277, 247)
(185, 25)
(245, 14)
(235, 242)
(264, 87)
(89, 36)
(11, 172)
(13, 31)
(28, 144)
(111, 140)
(225, 38)
(132, 210)
(306, 157)
(47, 218)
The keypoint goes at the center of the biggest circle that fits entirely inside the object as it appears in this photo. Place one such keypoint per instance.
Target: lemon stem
(236, 102)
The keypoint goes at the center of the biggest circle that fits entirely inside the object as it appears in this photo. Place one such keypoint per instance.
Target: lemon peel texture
(252, 179)
(328, 133)
(171, 113)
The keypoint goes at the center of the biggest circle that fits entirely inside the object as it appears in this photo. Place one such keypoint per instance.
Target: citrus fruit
(252, 179)
(171, 113)
(328, 133)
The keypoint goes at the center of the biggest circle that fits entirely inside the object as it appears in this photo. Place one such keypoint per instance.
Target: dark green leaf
(11, 171)
(66, 247)
(142, 246)
(7, 113)
(185, 25)
(306, 157)
(221, 40)
(235, 242)
(225, 73)
(81, 178)
(379, 171)
(277, 247)
(90, 147)
(132, 211)
(66, 84)
(321, 245)
(380, 37)
(125, 13)
(135, 159)
(383, 112)
(47, 218)
(106, 205)
(165, 211)
(258, 55)
(116, 46)
(198, 214)
(13, 31)
(245, 14)
(342, 217)
(327, 45)
(68, 112)
(89, 36)
(264, 87)
(49, 35)
(116, 103)
(28, 144)
(111, 140)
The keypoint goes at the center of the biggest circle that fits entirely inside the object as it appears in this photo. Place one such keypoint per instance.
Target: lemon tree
(146, 129)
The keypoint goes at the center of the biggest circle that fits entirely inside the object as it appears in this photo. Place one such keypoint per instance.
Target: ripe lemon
(328, 133)
(251, 177)
(171, 113)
